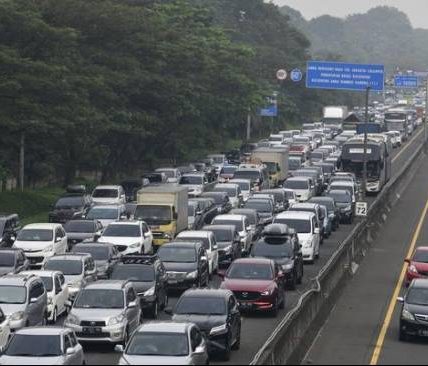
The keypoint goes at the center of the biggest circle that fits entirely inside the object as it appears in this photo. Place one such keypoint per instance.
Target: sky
(416, 9)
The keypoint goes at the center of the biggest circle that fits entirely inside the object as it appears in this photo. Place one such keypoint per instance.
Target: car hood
(142, 286)
(118, 240)
(6, 360)
(155, 360)
(246, 285)
(180, 267)
(96, 315)
(6, 270)
(303, 238)
(9, 309)
(106, 222)
(32, 246)
(204, 322)
(105, 201)
(417, 309)
(79, 236)
(73, 279)
(224, 244)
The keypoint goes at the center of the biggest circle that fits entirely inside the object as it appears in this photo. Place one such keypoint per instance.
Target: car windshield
(259, 206)
(326, 203)
(34, 346)
(421, 256)
(154, 215)
(205, 241)
(294, 164)
(229, 170)
(48, 282)
(35, 235)
(67, 267)
(341, 197)
(125, 231)
(231, 192)
(250, 271)
(239, 225)
(103, 214)
(273, 251)
(105, 193)
(69, 202)
(301, 226)
(7, 259)
(247, 174)
(80, 227)
(190, 180)
(135, 273)
(177, 255)
(158, 344)
(417, 296)
(13, 295)
(98, 253)
(201, 306)
(222, 235)
(100, 299)
(297, 184)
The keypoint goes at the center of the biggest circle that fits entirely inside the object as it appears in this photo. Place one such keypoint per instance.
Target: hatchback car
(13, 261)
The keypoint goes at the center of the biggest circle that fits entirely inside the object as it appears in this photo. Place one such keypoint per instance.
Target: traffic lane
(350, 334)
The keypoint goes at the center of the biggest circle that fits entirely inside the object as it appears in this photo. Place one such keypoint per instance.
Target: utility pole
(22, 162)
(365, 143)
(249, 125)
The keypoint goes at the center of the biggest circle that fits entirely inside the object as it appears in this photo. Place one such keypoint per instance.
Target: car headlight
(72, 320)
(268, 292)
(167, 236)
(222, 329)
(308, 244)
(413, 269)
(287, 267)
(192, 275)
(48, 249)
(17, 316)
(135, 245)
(150, 292)
(115, 320)
(407, 315)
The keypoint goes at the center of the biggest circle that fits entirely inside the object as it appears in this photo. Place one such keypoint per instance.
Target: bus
(379, 163)
(397, 120)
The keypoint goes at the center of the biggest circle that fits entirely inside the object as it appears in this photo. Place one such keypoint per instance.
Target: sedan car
(343, 201)
(418, 265)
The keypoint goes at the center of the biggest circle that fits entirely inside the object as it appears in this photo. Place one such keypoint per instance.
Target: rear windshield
(238, 224)
(79, 227)
(301, 226)
(247, 174)
(294, 184)
(201, 306)
(105, 193)
(191, 180)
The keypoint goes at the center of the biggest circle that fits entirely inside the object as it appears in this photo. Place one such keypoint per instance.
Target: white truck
(276, 161)
(334, 116)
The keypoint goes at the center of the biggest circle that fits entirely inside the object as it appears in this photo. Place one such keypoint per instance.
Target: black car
(105, 256)
(186, 264)
(73, 204)
(221, 200)
(149, 277)
(13, 261)
(280, 245)
(209, 209)
(195, 214)
(344, 203)
(131, 187)
(414, 312)
(217, 315)
(9, 228)
(228, 242)
(333, 211)
(264, 208)
(80, 230)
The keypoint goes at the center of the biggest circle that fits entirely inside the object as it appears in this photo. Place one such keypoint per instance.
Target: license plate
(91, 330)
(424, 333)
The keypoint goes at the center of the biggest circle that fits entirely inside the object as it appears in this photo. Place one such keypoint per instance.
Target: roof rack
(139, 259)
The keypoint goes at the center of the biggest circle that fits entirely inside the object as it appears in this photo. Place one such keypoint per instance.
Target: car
(328, 170)
(343, 201)
(9, 228)
(294, 163)
(258, 176)
(267, 196)
(303, 187)
(418, 265)
(57, 292)
(218, 161)
(217, 315)
(345, 186)
(81, 230)
(277, 244)
(52, 346)
(226, 173)
(195, 183)
(305, 224)
(105, 256)
(319, 213)
(253, 219)
(150, 280)
(40, 242)
(105, 311)
(315, 172)
(109, 195)
(12, 261)
(332, 211)
(207, 238)
(245, 187)
(228, 242)
(291, 196)
(173, 174)
(233, 191)
(414, 311)
(78, 269)
(318, 155)
(160, 343)
(209, 209)
(70, 205)
(130, 237)
(186, 264)
(23, 300)
(242, 225)
(280, 196)
(257, 283)
(107, 214)
(264, 207)
(5, 332)
(221, 200)
(195, 211)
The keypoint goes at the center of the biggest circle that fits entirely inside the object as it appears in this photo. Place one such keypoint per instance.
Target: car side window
(130, 296)
(36, 290)
(57, 283)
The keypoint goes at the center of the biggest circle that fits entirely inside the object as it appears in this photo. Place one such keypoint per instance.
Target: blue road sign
(344, 76)
(296, 75)
(271, 111)
(406, 81)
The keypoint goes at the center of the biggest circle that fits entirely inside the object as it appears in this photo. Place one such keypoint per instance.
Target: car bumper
(147, 303)
(182, 284)
(113, 334)
(414, 328)
(259, 305)
(17, 324)
(308, 254)
(216, 343)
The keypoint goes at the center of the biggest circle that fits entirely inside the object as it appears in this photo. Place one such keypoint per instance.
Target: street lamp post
(365, 143)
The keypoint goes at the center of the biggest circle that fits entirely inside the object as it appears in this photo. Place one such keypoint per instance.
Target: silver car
(24, 300)
(43, 346)
(166, 343)
(105, 311)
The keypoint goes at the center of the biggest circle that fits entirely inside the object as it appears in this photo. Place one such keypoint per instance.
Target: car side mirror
(168, 311)
(400, 300)
(199, 350)
(119, 348)
(132, 305)
(70, 351)
(33, 300)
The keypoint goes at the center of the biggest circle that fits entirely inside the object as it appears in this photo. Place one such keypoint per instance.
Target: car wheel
(237, 344)
(403, 337)
(165, 303)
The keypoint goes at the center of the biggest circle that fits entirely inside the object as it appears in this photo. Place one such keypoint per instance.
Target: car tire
(403, 337)
(237, 344)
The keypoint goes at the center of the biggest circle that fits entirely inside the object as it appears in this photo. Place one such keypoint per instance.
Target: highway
(257, 328)
(364, 326)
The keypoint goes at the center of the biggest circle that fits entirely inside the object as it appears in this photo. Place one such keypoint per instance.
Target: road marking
(381, 339)
(408, 145)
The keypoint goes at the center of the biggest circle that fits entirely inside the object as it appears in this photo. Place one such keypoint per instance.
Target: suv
(24, 300)
(109, 195)
(72, 204)
(105, 311)
(9, 227)
(149, 278)
(195, 183)
(12, 261)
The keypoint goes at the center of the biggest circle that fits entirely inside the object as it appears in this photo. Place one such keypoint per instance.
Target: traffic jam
(225, 237)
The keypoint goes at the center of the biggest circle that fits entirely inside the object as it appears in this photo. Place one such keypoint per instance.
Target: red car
(257, 283)
(418, 265)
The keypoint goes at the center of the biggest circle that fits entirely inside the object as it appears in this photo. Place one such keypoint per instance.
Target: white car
(194, 182)
(129, 237)
(305, 224)
(291, 196)
(276, 139)
(173, 174)
(41, 242)
(57, 291)
(109, 195)
(303, 187)
(107, 214)
(245, 186)
(5, 332)
(233, 191)
(243, 227)
(207, 238)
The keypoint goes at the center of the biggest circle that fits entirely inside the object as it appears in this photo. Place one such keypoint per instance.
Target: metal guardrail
(294, 335)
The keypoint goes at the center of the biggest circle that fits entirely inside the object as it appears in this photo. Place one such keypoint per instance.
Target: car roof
(164, 327)
(41, 226)
(126, 222)
(108, 187)
(213, 293)
(182, 244)
(219, 227)
(253, 261)
(301, 215)
(299, 179)
(229, 217)
(43, 331)
(70, 256)
(240, 181)
(15, 280)
(342, 183)
(107, 284)
(94, 245)
(194, 234)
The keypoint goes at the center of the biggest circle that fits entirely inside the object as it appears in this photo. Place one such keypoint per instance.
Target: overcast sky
(417, 10)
